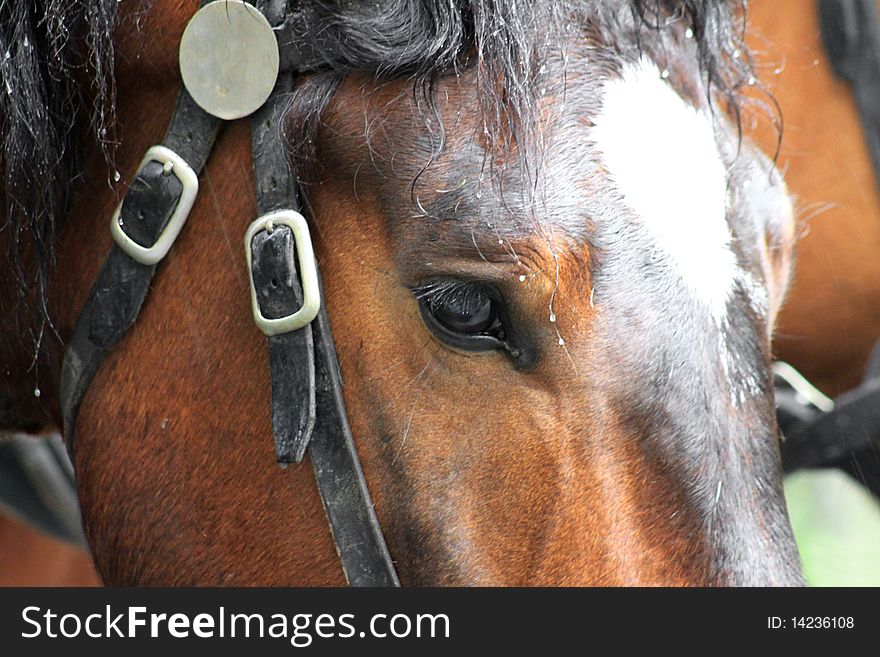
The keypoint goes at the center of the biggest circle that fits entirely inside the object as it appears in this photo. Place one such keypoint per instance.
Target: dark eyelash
(439, 291)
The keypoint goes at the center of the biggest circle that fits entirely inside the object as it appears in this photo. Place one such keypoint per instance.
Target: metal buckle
(308, 272)
(173, 164)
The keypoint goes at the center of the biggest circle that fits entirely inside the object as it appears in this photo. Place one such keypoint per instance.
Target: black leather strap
(359, 540)
(306, 383)
(305, 377)
(274, 271)
(296, 52)
(117, 295)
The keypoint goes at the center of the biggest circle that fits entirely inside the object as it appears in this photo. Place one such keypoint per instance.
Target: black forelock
(507, 42)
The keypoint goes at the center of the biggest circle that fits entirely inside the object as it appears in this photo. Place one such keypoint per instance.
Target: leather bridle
(308, 412)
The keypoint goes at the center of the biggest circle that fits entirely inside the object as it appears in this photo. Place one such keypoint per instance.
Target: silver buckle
(308, 272)
(153, 254)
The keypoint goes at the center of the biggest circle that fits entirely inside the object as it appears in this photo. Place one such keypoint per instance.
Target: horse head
(552, 263)
(555, 324)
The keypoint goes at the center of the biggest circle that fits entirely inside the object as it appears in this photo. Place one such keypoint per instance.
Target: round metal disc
(229, 59)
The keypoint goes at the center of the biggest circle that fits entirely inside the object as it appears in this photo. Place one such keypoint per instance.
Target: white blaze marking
(662, 156)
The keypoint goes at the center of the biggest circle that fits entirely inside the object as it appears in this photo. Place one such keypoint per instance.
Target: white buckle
(802, 387)
(308, 272)
(173, 164)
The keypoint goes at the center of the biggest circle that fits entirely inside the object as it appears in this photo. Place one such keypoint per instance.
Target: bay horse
(551, 262)
(831, 318)
(830, 323)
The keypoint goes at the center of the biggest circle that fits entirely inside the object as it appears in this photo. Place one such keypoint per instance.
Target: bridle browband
(308, 412)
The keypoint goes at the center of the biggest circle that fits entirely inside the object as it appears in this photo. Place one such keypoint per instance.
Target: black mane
(56, 67)
(57, 91)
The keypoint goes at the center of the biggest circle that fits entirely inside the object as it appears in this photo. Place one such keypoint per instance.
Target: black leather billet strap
(276, 281)
(306, 384)
(118, 293)
(851, 34)
(291, 354)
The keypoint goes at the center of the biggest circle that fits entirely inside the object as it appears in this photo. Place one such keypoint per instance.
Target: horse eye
(466, 315)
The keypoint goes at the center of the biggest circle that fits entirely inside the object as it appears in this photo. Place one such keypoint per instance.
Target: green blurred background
(836, 524)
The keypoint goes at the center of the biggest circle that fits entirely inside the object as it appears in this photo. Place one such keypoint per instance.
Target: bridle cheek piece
(238, 59)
